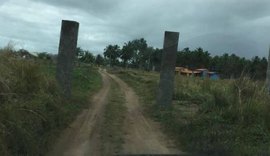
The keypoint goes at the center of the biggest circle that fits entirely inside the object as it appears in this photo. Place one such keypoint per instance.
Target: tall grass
(232, 118)
(224, 117)
(32, 112)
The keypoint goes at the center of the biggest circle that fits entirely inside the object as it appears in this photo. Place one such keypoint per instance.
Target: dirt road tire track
(143, 135)
(82, 137)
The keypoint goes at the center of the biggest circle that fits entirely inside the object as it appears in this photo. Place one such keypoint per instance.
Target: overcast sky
(219, 26)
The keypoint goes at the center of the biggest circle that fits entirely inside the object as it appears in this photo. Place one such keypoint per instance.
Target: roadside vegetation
(32, 112)
(112, 129)
(223, 117)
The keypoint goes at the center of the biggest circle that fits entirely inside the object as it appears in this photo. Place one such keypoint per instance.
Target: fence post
(66, 55)
(268, 74)
(166, 84)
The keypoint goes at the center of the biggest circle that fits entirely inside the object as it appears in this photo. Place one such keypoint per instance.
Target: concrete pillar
(66, 55)
(166, 84)
(268, 74)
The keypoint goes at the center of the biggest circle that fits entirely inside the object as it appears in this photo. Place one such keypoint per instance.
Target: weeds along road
(142, 136)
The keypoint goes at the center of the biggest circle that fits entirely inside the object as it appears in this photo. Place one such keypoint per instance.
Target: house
(183, 71)
(178, 69)
(202, 72)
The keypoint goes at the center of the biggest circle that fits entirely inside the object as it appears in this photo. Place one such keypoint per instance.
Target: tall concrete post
(268, 74)
(66, 55)
(166, 84)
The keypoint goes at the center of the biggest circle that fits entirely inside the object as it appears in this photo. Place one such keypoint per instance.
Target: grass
(112, 126)
(224, 117)
(32, 112)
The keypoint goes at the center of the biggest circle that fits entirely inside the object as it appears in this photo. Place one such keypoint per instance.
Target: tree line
(137, 54)
(227, 65)
(82, 56)
(134, 54)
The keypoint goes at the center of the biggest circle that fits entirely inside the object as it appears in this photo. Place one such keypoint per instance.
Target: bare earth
(82, 137)
(143, 136)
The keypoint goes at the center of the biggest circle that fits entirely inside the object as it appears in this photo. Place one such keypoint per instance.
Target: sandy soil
(82, 137)
(143, 136)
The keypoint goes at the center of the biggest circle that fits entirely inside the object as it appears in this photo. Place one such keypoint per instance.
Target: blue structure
(205, 73)
(214, 76)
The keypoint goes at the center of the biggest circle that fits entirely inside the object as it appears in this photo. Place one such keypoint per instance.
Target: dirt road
(142, 135)
(82, 137)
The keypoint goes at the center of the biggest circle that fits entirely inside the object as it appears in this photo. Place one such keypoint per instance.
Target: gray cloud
(95, 7)
(233, 26)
